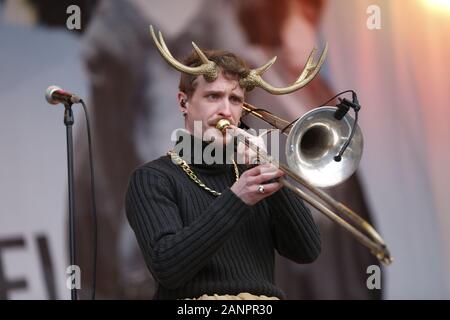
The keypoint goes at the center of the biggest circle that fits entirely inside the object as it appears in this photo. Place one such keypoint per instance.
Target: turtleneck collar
(202, 154)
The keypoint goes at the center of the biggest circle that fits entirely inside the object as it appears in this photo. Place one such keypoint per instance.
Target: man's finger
(266, 175)
(256, 171)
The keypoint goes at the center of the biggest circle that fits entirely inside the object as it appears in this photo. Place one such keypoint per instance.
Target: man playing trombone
(210, 230)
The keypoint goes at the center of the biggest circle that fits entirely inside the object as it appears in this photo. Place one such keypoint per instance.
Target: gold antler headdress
(210, 70)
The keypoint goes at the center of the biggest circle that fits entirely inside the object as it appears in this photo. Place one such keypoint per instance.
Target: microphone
(55, 95)
(343, 107)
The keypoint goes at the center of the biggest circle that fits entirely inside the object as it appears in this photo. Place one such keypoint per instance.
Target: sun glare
(438, 4)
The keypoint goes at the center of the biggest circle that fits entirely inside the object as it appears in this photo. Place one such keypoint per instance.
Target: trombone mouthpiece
(222, 124)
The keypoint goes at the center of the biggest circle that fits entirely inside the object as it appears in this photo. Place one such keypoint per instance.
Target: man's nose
(225, 109)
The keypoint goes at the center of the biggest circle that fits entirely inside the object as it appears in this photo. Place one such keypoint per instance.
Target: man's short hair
(229, 64)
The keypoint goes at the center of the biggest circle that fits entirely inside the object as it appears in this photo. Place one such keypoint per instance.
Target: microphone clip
(344, 106)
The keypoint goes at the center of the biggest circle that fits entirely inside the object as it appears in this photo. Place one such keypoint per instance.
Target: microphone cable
(93, 201)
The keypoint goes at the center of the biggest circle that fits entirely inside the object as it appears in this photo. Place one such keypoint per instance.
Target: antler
(309, 72)
(208, 68)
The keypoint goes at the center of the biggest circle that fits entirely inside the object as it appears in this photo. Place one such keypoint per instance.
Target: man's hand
(252, 186)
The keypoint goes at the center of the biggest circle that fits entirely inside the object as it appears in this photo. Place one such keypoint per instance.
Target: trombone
(312, 143)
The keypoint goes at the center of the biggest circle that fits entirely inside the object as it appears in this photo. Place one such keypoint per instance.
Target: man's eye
(213, 96)
(236, 100)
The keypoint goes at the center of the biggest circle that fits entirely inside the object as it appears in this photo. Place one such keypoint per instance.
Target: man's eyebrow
(222, 92)
(214, 91)
(237, 96)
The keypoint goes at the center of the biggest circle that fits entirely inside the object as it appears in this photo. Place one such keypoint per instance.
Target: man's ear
(182, 99)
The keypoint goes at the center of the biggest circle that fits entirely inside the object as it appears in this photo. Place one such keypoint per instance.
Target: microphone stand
(68, 121)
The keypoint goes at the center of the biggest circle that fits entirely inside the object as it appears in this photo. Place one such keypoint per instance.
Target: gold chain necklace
(183, 164)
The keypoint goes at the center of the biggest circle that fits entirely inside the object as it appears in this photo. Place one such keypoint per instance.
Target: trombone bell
(313, 142)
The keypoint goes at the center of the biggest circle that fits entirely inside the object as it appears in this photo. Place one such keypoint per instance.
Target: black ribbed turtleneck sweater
(195, 243)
